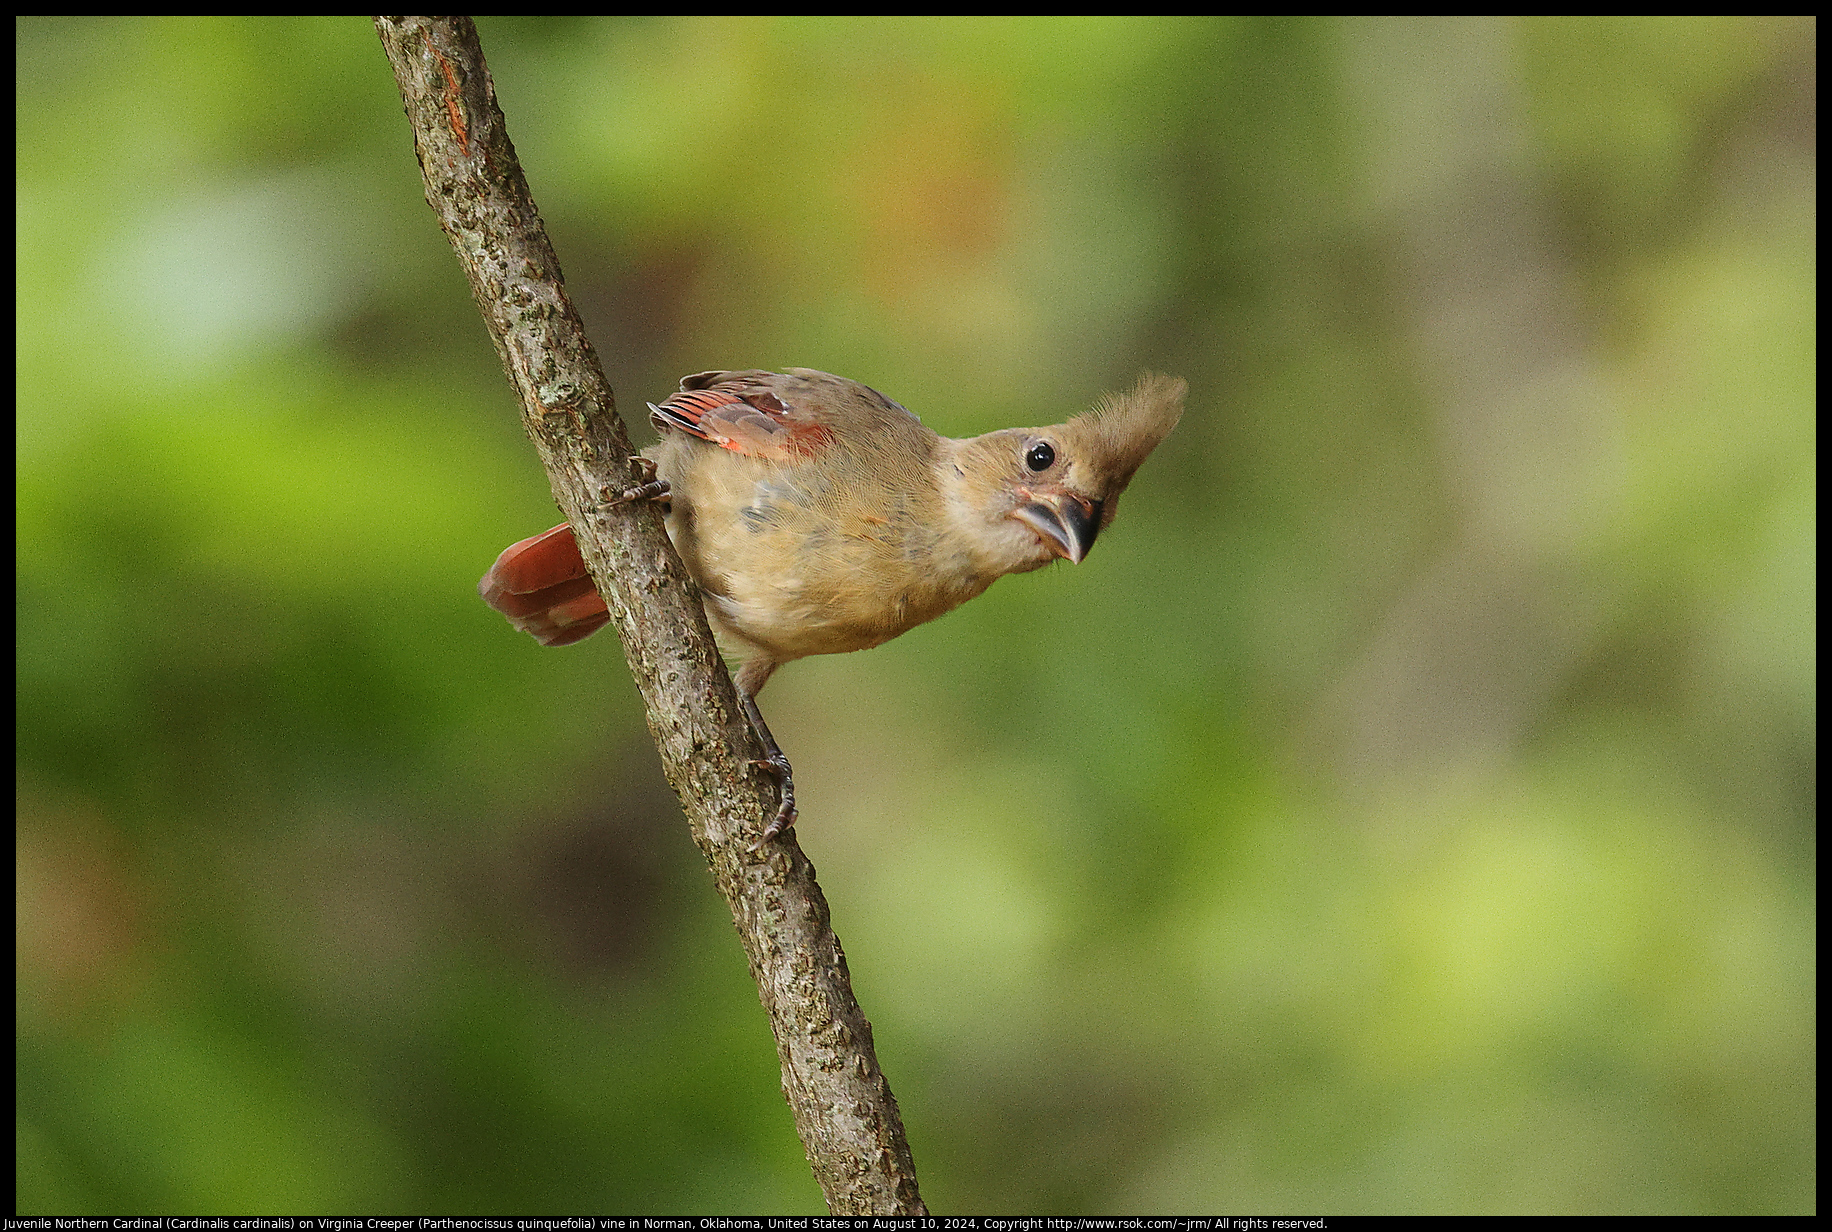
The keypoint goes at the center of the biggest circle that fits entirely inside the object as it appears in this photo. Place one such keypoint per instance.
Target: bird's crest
(1123, 428)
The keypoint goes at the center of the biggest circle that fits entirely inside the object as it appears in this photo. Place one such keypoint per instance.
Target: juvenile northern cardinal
(818, 517)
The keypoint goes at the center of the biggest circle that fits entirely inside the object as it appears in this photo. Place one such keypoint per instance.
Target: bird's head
(1030, 495)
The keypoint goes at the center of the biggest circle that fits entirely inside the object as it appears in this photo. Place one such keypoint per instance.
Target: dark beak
(1066, 522)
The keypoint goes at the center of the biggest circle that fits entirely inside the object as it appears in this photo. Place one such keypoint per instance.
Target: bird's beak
(1067, 523)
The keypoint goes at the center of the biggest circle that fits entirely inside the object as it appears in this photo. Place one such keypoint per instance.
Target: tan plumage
(821, 517)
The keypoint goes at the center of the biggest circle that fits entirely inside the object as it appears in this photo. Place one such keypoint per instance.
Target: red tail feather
(542, 586)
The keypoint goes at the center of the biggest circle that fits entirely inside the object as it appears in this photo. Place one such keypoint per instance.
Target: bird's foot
(655, 489)
(778, 766)
(775, 764)
(649, 489)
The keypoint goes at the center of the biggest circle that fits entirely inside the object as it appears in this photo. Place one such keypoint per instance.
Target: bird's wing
(541, 585)
(745, 418)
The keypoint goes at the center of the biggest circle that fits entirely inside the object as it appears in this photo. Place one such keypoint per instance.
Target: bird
(820, 517)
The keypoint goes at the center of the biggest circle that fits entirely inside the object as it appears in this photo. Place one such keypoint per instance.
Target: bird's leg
(750, 679)
(775, 763)
(649, 489)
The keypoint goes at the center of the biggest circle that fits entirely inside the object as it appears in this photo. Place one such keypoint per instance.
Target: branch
(844, 1111)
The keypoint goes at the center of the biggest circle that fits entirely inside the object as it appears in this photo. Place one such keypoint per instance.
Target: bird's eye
(1040, 457)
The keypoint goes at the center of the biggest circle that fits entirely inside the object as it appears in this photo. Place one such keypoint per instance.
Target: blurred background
(1409, 808)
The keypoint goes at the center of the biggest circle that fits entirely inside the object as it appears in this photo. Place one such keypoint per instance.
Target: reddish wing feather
(755, 423)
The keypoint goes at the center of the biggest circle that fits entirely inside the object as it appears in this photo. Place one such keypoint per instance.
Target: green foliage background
(1408, 808)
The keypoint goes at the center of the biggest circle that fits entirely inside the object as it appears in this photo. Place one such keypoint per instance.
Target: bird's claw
(655, 489)
(649, 489)
(778, 766)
